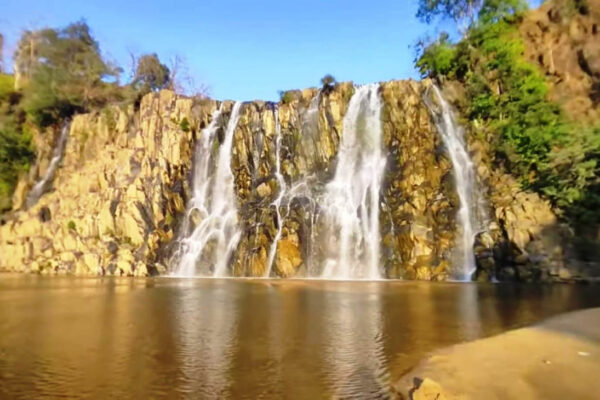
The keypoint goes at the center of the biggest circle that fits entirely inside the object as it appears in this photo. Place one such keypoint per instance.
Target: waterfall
(212, 212)
(464, 176)
(351, 200)
(42, 185)
(282, 191)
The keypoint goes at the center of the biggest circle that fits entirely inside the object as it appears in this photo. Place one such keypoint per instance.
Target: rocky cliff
(115, 196)
(561, 38)
(120, 195)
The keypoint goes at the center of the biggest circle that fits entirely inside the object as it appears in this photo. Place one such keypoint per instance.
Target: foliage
(286, 97)
(460, 11)
(15, 141)
(437, 58)
(508, 96)
(327, 81)
(151, 74)
(184, 125)
(71, 225)
(65, 73)
(7, 84)
(60, 72)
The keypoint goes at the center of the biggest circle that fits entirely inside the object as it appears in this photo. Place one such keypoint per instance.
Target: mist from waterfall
(469, 223)
(210, 232)
(43, 184)
(350, 205)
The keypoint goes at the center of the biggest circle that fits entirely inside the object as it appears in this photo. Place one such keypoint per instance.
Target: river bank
(556, 359)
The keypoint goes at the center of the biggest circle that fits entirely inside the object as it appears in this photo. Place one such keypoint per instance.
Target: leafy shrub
(7, 84)
(327, 81)
(66, 73)
(437, 58)
(16, 153)
(71, 225)
(184, 125)
(286, 97)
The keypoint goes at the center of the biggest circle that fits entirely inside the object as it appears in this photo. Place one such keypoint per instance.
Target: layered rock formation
(116, 195)
(120, 194)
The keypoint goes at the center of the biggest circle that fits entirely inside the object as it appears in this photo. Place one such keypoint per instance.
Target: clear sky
(243, 50)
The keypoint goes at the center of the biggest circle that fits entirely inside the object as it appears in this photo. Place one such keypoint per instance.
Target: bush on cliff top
(64, 73)
(16, 153)
(531, 136)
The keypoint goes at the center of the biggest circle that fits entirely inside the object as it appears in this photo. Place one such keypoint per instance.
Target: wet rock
(263, 190)
(427, 389)
(45, 214)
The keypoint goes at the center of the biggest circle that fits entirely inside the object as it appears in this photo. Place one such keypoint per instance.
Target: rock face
(562, 39)
(116, 196)
(119, 195)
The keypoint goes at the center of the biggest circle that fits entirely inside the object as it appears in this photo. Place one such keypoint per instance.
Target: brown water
(176, 338)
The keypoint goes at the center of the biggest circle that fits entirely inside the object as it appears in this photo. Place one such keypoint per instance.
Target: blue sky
(243, 50)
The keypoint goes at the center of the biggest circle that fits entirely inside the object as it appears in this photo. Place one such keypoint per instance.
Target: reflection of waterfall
(464, 175)
(354, 350)
(42, 185)
(206, 333)
(212, 212)
(351, 201)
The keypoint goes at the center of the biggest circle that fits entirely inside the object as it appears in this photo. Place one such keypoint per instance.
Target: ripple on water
(165, 338)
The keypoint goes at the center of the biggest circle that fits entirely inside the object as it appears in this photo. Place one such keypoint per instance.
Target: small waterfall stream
(282, 191)
(42, 185)
(351, 200)
(464, 176)
(212, 211)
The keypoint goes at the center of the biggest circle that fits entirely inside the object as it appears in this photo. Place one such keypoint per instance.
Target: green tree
(151, 74)
(506, 99)
(463, 12)
(15, 142)
(65, 72)
(328, 81)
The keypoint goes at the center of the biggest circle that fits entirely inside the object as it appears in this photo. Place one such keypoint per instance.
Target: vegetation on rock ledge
(57, 73)
(506, 97)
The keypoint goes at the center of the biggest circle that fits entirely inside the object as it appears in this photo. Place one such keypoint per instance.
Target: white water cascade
(42, 185)
(464, 176)
(207, 249)
(351, 200)
(282, 191)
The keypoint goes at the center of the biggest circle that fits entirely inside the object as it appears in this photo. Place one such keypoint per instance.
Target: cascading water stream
(282, 191)
(351, 200)
(212, 208)
(464, 176)
(42, 185)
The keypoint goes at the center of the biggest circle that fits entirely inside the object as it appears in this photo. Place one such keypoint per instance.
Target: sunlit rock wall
(116, 195)
(119, 195)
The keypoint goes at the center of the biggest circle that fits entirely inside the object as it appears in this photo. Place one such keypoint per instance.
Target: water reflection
(354, 358)
(206, 339)
(244, 339)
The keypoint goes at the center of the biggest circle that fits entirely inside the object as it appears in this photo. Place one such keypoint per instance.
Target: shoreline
(558, 358)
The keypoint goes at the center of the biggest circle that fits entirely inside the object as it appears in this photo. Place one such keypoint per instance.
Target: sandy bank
(557, 359)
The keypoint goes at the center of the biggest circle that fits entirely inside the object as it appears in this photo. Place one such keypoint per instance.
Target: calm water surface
(198, 338)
